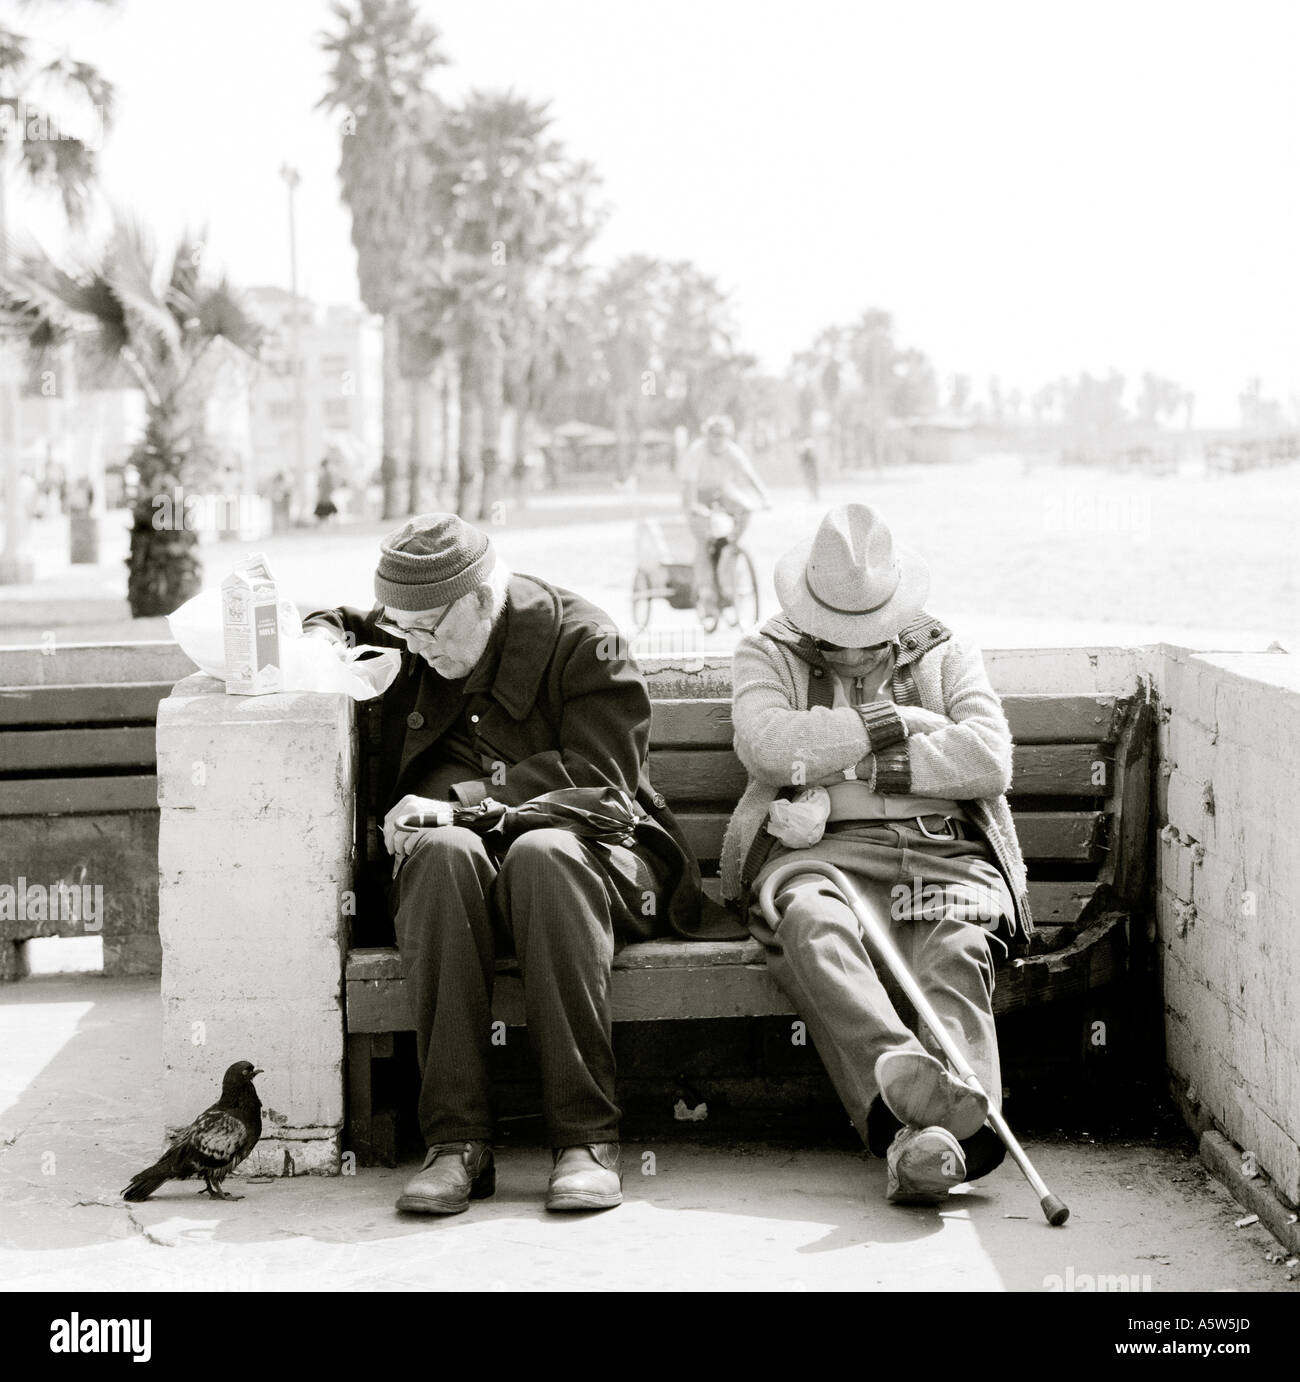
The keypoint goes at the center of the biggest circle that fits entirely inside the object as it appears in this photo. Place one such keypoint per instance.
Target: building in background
(340, 355)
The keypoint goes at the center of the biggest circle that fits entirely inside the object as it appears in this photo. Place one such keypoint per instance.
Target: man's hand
(397, 842)
(919, 720)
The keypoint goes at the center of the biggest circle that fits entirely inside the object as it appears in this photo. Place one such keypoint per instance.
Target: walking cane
(1053, 1207)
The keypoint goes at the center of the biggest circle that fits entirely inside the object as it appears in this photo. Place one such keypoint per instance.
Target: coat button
(659, 801)
(911, 642)
(414, 720)
(817, 672)
(934, 633)
(473, 719)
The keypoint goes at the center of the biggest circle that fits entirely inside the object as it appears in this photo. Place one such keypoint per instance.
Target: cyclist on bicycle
(716, 472)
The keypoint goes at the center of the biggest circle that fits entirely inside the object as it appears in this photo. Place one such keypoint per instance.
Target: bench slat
(685, 776)
(741, 988)
(124, 703)
(1046, 719)
(70, 796)
(55, 750)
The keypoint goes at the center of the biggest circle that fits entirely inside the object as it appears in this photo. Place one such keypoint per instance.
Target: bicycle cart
(665, 570)
(665, 567)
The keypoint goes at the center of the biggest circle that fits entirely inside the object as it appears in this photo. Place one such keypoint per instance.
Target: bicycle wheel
(740, 596)
(642, 599)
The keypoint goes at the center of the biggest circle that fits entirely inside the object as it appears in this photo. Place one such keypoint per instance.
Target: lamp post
(291, 181)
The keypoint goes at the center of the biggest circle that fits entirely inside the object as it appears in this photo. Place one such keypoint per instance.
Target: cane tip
(1056, 1209)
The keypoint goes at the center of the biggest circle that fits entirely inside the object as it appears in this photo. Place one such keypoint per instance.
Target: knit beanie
(431, 561)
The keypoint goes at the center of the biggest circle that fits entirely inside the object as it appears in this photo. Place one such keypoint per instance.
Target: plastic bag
(320, 664)
(800, 823)
(309, 663)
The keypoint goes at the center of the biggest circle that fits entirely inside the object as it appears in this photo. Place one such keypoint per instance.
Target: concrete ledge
(255, 864)
(1225, 1162)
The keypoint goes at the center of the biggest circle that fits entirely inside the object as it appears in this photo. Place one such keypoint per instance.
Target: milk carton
(251, 629)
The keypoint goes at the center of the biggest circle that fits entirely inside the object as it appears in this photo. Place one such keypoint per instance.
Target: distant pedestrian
(325, 505)
(808, 464)
(281, 497)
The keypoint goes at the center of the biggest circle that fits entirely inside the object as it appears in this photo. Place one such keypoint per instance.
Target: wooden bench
(79, 808)
(1080, 797)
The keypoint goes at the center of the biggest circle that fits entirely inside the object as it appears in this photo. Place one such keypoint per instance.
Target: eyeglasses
(823, 646)
(413, 631)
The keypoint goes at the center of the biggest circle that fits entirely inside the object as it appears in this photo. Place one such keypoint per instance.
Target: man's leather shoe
(585, 1178)
(453, 1174)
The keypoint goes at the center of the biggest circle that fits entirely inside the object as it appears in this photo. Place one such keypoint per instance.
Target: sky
(1032, 189)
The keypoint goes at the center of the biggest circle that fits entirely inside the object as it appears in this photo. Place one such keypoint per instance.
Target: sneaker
(984, 1152)
(453, 1174)
(923, 1093)
(923, 1165)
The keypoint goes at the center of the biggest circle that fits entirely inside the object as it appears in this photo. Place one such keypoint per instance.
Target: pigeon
(213, 1144)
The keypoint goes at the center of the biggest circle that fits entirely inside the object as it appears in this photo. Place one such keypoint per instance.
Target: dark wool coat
(559, 703)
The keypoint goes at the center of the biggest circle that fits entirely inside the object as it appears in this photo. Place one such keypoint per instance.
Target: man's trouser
(564, 906)
(936, 898)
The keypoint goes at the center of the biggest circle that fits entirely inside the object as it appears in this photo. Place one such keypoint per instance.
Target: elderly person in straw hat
(874, 741)
(511, 688)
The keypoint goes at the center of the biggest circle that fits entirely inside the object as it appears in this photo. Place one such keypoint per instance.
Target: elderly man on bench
(873, 741)
(511, 689)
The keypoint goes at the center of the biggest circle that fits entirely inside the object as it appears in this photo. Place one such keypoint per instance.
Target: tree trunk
(164, 568)
(471, 432)
(624, 430)
(417, 479)
(493, 403)
(524, 432)
(390, 466)
(447, 451)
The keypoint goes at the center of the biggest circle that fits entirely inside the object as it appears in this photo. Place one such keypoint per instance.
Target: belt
(934, 827)
(940, 827)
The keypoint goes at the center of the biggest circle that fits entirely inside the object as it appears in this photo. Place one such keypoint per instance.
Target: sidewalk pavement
(79, 1114)
(1059, 565)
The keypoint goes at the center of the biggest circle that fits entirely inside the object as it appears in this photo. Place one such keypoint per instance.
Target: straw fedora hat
(849, 584)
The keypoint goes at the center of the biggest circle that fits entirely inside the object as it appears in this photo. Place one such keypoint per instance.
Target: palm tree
(163, 328)
(508, 205)
(45, 152)
(383, 56)
(629, 313)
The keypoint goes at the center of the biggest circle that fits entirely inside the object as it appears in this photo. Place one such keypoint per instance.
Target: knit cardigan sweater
(944, 735)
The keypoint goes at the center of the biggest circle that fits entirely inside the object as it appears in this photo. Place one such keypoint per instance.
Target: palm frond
(181, 294)
(83, 81)
(64, 165)
(14, 53)
(129, 268)
(222, 314)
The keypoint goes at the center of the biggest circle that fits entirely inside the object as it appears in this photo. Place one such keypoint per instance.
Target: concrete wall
(1228, 897)
(255, 851)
